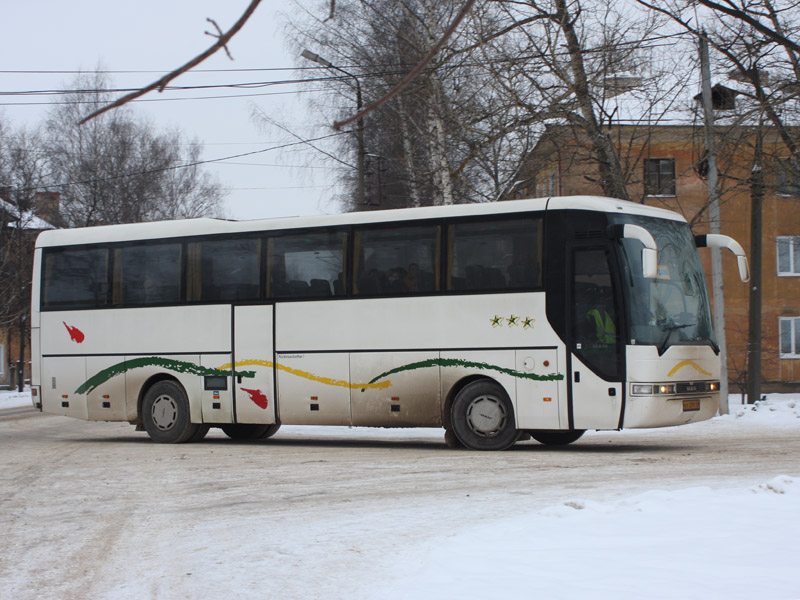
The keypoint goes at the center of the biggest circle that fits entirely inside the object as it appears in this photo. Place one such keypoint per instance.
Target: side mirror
(715, 240)
(650, 250)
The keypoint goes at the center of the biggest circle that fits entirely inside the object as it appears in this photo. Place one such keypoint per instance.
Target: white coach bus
(548, 316)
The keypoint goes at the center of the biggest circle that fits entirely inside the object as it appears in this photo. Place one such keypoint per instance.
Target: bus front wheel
(482, 417)
(165, 414)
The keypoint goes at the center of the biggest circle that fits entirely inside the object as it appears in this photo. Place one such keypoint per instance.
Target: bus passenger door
(253, 372)
(595, 346)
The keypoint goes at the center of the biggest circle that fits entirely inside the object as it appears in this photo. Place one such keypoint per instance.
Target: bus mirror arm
(629, 231)
(715, 240)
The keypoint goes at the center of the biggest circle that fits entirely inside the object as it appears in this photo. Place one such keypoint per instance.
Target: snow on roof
(28, 219)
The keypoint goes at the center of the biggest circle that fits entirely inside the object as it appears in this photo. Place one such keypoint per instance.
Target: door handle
(576, 376)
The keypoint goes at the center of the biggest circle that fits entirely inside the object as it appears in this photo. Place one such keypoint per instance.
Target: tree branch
(412, 74)
(754, 23)
(159, 85)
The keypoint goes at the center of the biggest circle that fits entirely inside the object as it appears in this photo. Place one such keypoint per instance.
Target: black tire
(451, 441)
(270, 431)
(557, 438)
(249, 431)
(165, 414)
(202, 430)
(483, 418)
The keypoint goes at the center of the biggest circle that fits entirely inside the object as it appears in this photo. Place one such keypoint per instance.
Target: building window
(546, 185)
(788, 180)
(659, 176)
(788, 256)
(789, 337)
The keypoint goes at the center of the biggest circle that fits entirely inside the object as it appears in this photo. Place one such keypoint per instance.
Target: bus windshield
(673, 308)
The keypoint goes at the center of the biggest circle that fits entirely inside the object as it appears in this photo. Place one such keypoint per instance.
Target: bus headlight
(643, 389)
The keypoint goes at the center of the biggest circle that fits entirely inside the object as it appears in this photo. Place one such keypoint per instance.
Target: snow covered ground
(699, 542)
(14, 399)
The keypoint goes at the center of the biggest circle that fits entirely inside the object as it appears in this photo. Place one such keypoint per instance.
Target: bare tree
(444, 139)
(119, 169)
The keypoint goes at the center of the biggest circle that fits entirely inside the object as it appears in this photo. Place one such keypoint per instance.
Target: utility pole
(361, 194)
(714, 218)
(756, 226)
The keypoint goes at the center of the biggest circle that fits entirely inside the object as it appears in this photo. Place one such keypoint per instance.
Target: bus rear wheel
(482, 417)
(165, 414)
(557, 438)
(250, 431)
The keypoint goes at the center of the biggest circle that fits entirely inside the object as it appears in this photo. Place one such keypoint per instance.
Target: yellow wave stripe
(688, 363)
(306, 375)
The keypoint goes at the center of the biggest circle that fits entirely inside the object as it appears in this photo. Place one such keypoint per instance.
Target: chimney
(47, 206)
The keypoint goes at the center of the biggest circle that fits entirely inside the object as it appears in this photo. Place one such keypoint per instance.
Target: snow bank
(776, 410)
(14, 399)
(693, 543)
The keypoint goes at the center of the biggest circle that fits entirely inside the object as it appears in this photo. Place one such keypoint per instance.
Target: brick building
(18, 231)
(665, 167)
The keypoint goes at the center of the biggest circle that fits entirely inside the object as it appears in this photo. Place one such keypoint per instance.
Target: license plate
(689, 405)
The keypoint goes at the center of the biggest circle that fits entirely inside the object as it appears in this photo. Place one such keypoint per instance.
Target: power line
(184, 166)
(220, 97)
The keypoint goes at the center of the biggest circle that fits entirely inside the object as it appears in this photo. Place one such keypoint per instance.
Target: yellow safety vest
(606, 330)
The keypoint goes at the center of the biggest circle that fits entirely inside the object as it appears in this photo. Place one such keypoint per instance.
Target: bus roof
(207, 226)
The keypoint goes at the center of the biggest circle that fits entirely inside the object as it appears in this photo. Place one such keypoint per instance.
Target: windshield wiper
(670, 327)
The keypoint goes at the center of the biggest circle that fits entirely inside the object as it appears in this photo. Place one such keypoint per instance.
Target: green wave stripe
(178, 366)
(181, 366)
(457, 362)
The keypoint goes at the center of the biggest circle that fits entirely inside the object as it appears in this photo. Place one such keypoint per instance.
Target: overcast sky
(158, 36)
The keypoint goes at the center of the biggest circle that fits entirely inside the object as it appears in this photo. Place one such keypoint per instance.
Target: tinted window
(595, 324)
(495, 255)
(396, 261)
(147, 274)
(75, 278)
(307, 265)
(225, 270)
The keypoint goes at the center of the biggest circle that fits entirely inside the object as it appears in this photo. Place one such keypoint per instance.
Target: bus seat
(299, 288)
(320, 287)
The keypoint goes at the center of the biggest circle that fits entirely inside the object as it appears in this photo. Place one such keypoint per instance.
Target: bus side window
(498, 255)
(148, 275)
(225, 270)
(306, 265)
(400, 260)
(75, 278)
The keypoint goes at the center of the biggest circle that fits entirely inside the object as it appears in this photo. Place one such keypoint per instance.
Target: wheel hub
(486, 416)
(165, 412)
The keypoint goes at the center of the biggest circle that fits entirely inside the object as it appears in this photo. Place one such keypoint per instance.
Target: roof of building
(27, 218)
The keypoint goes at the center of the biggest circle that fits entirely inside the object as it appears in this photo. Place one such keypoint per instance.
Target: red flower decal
(75, 334)
(258, 397)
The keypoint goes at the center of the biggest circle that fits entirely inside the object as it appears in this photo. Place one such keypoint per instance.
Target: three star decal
(513, 321)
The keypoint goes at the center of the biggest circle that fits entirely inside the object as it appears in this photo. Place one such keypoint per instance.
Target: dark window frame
(666, 182)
